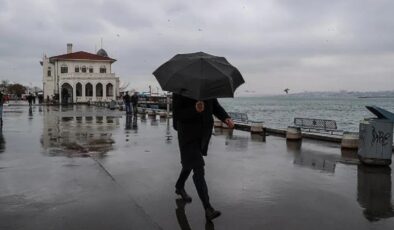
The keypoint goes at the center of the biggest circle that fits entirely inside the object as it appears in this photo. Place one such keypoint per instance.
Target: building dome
(102, 52)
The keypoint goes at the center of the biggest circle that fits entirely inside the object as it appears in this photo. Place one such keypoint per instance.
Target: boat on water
(154, 101)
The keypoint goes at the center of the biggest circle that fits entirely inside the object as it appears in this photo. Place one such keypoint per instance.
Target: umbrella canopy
(200, 76)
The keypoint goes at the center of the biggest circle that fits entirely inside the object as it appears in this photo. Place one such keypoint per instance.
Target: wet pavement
(62, 170)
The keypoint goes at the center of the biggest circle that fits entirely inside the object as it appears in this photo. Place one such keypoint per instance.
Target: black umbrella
(200, 76)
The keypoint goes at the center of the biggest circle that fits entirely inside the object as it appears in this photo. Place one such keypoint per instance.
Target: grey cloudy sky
(309, 45)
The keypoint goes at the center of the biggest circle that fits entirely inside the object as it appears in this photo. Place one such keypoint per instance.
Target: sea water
(280, 111)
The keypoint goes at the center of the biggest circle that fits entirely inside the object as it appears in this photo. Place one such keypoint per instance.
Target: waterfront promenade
(61, 170)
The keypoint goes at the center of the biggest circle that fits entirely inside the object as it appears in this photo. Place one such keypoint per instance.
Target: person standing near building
(134, 102)
(193, 121)
(127, 102)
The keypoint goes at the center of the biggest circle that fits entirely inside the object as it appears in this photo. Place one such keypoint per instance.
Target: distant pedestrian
(127, 102)
(134, 102)
(5, 98)
(1, 108)
(40, 99)
(30, 99)
(194, 122)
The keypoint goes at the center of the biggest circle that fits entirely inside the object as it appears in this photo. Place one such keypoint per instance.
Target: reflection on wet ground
(374, 192)
(2, 142)
(106, 162)
(78, 135)
(181, 216)
(312, 159)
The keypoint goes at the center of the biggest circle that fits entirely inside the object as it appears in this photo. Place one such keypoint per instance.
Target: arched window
(49, 73)
(103, 69)
(99, 90)
(64, 69)
(90, 69)
(110, 90)
(83, 69)
(89, 90)
(79, 89)
(67, 93)
(77, 68)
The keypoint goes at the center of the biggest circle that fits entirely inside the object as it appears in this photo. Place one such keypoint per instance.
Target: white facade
(79, 77)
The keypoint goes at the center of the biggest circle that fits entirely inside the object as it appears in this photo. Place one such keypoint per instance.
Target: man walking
(194, 122)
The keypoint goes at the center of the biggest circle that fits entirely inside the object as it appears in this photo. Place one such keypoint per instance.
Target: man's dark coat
(134, 100)
(127, 98)
(194, 128)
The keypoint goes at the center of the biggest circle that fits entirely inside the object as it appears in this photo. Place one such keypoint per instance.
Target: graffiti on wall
(380, 137)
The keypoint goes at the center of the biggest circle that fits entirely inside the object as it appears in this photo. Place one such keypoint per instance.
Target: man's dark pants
(199, 182)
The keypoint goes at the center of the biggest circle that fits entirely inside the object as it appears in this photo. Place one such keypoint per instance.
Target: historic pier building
(79, 77)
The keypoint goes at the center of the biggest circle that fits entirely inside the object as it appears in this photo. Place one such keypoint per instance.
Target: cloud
(303, 45)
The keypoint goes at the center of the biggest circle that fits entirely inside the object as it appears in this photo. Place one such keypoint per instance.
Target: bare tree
(3, 85)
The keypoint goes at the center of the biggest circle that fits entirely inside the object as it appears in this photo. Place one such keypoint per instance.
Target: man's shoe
(184, 195)
(211, 214)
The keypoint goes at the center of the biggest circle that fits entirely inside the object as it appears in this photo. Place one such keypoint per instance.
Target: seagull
(286, 90)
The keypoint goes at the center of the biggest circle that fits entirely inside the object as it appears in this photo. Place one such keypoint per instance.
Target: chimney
(69, 48)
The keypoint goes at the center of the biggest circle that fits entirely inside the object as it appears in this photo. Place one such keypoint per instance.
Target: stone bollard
(163, 114)
(227, 132)
(293, 133)
(256, 127)
(349, 140)
(217, 123)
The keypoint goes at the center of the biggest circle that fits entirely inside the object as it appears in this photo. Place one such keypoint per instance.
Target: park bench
(242, 122)
(239, 117)
(316, 124)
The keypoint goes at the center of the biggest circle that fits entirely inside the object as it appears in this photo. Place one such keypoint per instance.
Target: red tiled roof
(81, 55)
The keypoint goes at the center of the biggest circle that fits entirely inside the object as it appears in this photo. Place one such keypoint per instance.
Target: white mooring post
(256, 127)
(293, 133)
(349, 140)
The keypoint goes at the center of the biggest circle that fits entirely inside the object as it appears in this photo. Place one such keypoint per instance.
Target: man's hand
(200, 106)
(230, 123)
